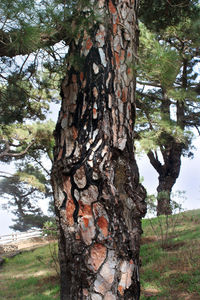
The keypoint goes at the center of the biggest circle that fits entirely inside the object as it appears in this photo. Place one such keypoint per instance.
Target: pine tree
(30, 184)
(98, 121)
(22, 191)
(167, 100)
(99, 201)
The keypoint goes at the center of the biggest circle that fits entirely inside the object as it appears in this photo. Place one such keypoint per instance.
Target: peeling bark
(98, 199)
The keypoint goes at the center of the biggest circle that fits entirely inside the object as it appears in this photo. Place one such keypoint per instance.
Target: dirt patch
(173, 246)
(25, 244)
(54, 279)
(33, 242)
(20, 246)
(148, 239)
(191, 297)
(150, 292)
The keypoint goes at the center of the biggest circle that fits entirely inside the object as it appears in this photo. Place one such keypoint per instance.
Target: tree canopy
(168, 99)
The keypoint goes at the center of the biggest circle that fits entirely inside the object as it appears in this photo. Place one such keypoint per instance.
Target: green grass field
(29, 276)
(171, 265)
(170, 255)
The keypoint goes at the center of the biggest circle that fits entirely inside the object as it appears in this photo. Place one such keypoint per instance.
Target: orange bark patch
(74, 78)
(95, 92)
(81, 76)
(103, 225)
(94, 113)
(86, 222)
(97, 256)
(122, 55)
(114, 28)
(84, 210)
(112, 8)
(124, 94)
(60, 154)
(88, 44)
(129, 71)
(70, 207)
(120, 289)
(117, 60)
(75, 132)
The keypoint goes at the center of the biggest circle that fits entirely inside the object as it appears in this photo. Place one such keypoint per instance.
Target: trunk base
(164, 207)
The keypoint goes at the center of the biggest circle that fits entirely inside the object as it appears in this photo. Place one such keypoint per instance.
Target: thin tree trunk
(168, 174)
(98, 199)
(164, 196)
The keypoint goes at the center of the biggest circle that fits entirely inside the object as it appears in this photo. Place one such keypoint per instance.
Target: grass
(29, 276)
(169, 271)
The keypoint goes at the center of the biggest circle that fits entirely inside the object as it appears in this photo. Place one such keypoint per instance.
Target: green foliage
(33, 176)
(158, 61)
(50, 229)
(158, 15)
(17, 103)
(31, 180)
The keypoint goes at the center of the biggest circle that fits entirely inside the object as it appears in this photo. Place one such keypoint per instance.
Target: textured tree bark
(98, 199)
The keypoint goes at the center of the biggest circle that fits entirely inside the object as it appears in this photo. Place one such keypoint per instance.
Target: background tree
(30, 72)
(168, 100)
(31, 179)
(22, 198)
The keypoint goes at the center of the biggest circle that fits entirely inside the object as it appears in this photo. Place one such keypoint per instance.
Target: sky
(188, 180)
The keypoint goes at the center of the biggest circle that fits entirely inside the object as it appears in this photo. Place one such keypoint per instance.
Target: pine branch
(152, 83)
(12, 154)
(154, 161)
(45, 40)
(3, 172)
(197, 128)
(41, 165)
(153, 97)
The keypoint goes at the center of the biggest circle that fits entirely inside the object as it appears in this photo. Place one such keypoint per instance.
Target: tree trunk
(98, 199)
(168, 174)
(164, 195)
